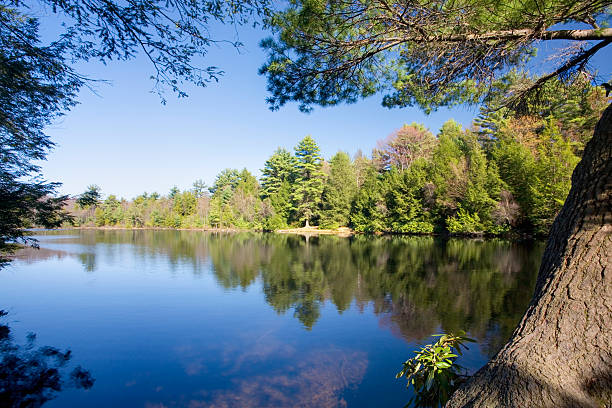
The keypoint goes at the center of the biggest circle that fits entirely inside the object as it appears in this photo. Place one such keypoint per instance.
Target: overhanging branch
(505, 35)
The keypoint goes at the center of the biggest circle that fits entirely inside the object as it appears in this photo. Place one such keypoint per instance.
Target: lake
(194, 319)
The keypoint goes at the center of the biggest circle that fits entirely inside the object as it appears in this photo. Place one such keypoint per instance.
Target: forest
(507, 173)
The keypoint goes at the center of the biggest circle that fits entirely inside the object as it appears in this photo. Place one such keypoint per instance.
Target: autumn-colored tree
(404, 146)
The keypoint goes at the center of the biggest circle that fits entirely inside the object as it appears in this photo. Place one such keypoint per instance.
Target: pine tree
(280, 167)
(89, 198)
(226, 178)
(309, 183)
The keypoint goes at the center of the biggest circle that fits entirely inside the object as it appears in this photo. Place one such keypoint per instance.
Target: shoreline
(344, 232)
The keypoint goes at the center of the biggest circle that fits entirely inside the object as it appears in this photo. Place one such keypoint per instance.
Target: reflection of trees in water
(88, 260)
(415, 284)
(176, 247)
(31, 255)
(32, 375)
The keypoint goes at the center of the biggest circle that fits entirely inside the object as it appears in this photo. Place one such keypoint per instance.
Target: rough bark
(560, 355)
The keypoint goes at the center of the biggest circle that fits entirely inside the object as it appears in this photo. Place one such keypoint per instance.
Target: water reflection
(31, 375)
(192, 319)
(416, 285)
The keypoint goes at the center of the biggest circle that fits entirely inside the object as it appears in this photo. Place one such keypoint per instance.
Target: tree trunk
(307, 224)
(560, 355)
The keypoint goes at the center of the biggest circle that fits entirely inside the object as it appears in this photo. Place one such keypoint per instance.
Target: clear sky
(124, 140)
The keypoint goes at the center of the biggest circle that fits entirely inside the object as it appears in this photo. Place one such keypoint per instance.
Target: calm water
(193, 319)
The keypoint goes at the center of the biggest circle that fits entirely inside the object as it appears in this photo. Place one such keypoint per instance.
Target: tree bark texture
(560, 355)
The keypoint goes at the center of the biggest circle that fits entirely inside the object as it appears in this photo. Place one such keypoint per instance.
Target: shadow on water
(32, 375)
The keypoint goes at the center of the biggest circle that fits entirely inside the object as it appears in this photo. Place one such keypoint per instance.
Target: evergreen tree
(280, 167)
(404, 198)
(90, 197)
(112, 211)
(185, 203)
(245, 202)
(282, 204)
(339, 192)
(448, 173)
(553, 171)
(514, 153)
(247, 182)
(576, 107)
(226, 178)
(200, 189)
(466, 187)
(369, 211)
(309, 183)
(174, 191)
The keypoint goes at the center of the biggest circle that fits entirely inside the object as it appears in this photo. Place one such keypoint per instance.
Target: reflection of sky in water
(187, 319)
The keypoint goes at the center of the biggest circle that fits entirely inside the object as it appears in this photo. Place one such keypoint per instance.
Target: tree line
(506, 173)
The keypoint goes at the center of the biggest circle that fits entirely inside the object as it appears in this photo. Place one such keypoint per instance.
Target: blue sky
(124, 140)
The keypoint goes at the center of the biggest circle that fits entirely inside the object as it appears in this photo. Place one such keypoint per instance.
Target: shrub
(433, 372)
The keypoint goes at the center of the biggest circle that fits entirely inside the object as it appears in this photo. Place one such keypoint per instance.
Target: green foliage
(575, 108)
(369, 210)
(329, 52)
(281, 201)
(553, 170)
(279, 168)
(536, 162)
(90, 197)
(173, 192)
(226, 178)
(184, 203)
(306, 195)
(433, 372)
(404, 200)
(200, 189)
(512, 175)
(338, 192)
(276, 222)
(464, 223)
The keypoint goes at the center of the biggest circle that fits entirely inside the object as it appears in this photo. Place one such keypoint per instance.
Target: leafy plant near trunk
(433, 372)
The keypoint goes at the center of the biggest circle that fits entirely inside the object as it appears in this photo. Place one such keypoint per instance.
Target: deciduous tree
(404, 146)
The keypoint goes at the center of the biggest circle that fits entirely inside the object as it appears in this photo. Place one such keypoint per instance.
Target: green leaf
(429, 381)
